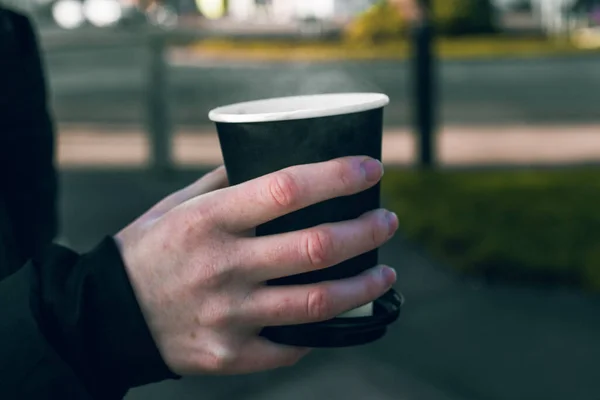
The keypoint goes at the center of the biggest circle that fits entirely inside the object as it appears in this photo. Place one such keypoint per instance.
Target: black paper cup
(261, 137)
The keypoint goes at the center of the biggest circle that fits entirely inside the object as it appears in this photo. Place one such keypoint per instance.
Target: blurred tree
(459, 17)
(522, 6)
(390, 19)
(383, 21)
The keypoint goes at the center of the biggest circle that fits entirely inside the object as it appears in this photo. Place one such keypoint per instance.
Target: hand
(199, 277)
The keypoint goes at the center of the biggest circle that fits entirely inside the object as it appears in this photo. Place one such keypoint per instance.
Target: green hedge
(536, 226)
(452, 17)
(460, 17)
(381, 22)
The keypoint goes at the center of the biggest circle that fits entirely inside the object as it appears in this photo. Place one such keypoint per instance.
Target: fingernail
(389, 275)
(372, 169)
(392, 220)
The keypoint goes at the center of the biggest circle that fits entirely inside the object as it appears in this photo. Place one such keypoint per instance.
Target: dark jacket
(28, 183)
(70, 325)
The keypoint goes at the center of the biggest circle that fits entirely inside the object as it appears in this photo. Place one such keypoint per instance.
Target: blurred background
(492, 146)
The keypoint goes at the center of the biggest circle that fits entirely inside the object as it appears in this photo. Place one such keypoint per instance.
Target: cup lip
(326, 105)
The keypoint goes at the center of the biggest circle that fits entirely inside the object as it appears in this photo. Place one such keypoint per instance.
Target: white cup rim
(298, 107)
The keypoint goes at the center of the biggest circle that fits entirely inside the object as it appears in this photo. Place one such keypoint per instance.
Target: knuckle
(376, 235)
(220, 277)
(220, 360)
(220, 313)
(377, 229)
(343, 172)
(318, 305)
(372, 289)
(190, 225)
(318, 246)
(212, 276)
(201, 216)
(219, 318)
(283, 189)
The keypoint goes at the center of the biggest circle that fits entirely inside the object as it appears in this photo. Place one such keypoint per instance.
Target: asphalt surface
(110, 85)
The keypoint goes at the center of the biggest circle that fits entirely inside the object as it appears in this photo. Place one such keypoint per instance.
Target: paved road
(108, 86)
(456, 146)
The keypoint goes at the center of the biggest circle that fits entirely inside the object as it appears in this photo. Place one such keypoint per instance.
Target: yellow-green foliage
(383, 21)
(379, 23)
(520, 225)
(464, 16)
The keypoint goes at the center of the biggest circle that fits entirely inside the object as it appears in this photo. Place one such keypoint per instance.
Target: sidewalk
(80, 146)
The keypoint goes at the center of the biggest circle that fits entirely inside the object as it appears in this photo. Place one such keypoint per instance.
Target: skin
(199, 274)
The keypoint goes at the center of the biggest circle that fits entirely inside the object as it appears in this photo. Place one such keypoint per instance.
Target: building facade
(553, 15)
(289, 10)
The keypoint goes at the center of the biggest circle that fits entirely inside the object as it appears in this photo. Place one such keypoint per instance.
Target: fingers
(277, 256)
(253, 203)
(214, 180)
(291, 305)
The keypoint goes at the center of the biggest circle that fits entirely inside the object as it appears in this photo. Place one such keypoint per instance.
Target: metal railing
(425, 89)
(158, 120)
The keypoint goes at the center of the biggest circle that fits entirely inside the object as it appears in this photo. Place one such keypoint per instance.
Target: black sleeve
(27, 166)
(71, 328)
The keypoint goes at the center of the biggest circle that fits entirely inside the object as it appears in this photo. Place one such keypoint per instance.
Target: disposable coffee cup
(264, 136)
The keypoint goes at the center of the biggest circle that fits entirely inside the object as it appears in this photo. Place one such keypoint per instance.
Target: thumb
(214, 180)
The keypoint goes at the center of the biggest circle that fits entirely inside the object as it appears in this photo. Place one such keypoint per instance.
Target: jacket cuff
(115, 328)
(89, 313)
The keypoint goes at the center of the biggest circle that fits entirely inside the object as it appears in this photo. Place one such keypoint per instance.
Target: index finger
(264, 199)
